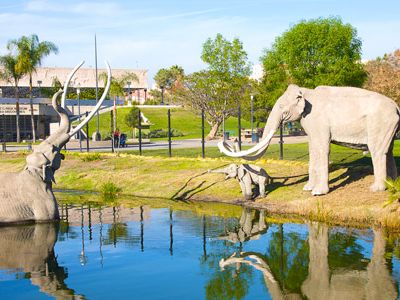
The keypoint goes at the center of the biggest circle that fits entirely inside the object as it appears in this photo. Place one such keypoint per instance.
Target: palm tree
(31, 52)
(12, 73)
(118, 84)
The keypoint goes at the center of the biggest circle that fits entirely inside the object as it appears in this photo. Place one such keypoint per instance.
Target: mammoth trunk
(273, 122)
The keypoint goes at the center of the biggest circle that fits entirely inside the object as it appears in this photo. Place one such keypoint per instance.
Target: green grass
(182, 120)
(294, 152)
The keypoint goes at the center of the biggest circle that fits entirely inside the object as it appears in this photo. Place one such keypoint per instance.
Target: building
(43, 112)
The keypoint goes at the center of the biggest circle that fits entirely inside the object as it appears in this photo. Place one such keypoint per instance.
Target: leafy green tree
(31, 53)
(12, 73)
(168, 79)
(131, 118)
(220, 88)
(312, 53)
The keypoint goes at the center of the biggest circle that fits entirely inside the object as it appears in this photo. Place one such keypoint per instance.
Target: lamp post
(39, 82)
(162, 95)
(78, 93)
(129, 93)
(145, 95)
(251, 113)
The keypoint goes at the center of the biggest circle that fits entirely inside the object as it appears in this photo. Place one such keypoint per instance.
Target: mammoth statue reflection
(28, 195)
(351, 117)
(322, 281)
(30, 249)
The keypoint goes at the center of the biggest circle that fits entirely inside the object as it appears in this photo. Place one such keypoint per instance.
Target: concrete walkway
(105, 146)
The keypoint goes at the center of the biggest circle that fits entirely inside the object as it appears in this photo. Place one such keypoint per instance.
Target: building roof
(86, 77)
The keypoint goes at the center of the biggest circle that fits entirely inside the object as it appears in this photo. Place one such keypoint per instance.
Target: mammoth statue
(28, 195)
(347, 116)
(247, 175)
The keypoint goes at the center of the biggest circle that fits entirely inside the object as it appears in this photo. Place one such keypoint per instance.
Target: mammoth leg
(380, 144)
(246, 188)
(321, 164)
(311, 170)
(261, 185)
(391, 164)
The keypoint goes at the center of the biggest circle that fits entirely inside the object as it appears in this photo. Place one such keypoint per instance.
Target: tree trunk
(31, 107)
(213, 132)
(17, 113)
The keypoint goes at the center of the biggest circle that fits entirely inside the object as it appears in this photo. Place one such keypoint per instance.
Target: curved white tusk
(260, 146)
(97, 107)
(66, 84)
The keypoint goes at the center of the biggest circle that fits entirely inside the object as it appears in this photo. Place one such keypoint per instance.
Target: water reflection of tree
(287, 257)
(119, 232)
(345, 252)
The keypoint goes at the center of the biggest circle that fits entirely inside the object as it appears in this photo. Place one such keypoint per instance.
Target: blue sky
(156, 34)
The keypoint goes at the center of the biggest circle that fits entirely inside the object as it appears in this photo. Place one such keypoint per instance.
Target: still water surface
(99, 252)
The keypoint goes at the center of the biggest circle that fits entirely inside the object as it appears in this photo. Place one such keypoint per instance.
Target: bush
(91, 157)
(109, 191)
(393, 187)
(161, 133)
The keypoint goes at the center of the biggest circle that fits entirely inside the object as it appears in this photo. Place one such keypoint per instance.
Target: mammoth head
(231, 171)
(46, 157)
(291, 104)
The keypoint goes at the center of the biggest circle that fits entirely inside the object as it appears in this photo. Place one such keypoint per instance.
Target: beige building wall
(86, 77)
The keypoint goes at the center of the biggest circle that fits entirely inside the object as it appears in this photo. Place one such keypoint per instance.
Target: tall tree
(12, 74)
(168, 79)
(31, 52)
(311, 53)
(220, 88)
(384, 75)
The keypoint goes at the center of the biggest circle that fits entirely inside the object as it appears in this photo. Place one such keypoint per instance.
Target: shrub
(161, 133)
(91, 157)
(393, 187)
(109, 191)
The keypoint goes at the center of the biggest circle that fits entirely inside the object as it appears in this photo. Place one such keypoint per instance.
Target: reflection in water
(222, 258)
(322, 281)
(30, 249)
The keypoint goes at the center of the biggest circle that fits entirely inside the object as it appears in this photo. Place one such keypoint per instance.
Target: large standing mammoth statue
(347, 116)
(28, 195)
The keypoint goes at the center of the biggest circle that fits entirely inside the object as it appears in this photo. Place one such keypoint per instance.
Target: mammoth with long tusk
(28, 195)
(348, 116)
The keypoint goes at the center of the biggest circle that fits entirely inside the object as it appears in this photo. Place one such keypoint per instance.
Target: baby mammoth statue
(247, 175)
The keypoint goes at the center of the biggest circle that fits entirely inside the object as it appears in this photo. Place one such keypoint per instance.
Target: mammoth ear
(301, 102)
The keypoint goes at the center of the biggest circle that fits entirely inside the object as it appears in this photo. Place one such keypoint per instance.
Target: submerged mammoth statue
(28, 195)
(247, 175)
(348, 116)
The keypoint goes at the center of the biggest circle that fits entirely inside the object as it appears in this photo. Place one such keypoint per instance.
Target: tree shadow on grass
(183, 194)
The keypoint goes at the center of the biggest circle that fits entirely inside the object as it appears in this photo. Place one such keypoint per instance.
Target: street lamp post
(78, 93)
(129, 93)
(39, 82)
(251, 113)
(162, 95)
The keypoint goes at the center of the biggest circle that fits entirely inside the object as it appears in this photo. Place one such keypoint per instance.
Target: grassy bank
(183, 120)
(182, 179)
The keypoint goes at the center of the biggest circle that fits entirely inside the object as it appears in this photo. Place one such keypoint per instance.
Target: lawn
(185, 177)
(183, 120)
